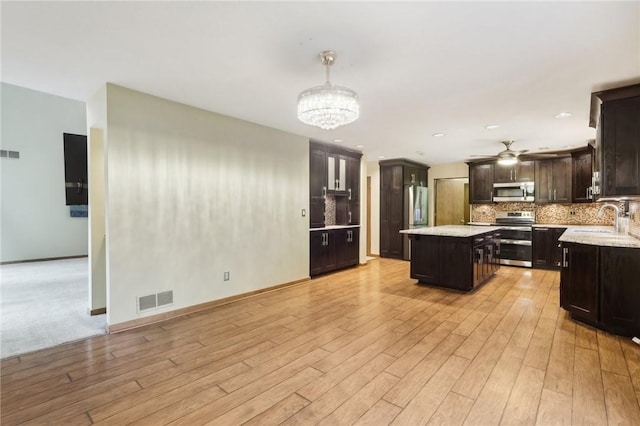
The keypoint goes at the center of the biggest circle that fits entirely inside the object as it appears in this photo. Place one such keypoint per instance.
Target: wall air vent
(153, 301)
(165, 298)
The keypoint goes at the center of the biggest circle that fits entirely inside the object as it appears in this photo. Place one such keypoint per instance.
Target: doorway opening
(452, 201)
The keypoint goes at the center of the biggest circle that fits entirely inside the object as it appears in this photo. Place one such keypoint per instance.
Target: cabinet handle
(565, 263)
(550, 195)
(510, 174)
(554, 195)
(515, 172)
(324, 192)
(349, 217)
(541, 229)
(349, 193)
(490, 195)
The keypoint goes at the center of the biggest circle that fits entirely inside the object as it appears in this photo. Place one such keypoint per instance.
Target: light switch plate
(304, 212)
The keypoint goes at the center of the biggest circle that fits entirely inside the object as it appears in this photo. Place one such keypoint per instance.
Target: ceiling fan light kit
(328, 106)
(507, 157)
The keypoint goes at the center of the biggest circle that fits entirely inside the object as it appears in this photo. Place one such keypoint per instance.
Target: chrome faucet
(616, 222)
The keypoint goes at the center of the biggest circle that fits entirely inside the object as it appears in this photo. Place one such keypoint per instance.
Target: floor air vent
(153, 301)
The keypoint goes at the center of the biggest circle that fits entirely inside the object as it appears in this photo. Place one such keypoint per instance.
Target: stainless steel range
(515, 237)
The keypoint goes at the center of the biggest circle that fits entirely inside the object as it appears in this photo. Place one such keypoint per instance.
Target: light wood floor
(364, 346)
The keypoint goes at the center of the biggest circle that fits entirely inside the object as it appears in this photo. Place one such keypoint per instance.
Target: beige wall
(192, 194)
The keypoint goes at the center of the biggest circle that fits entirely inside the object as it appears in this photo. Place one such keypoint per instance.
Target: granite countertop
(451, 230)
(328, 227)
(598, 236)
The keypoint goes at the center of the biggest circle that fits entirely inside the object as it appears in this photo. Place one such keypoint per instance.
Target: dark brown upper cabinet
(553, 180)
(617, 114)
(521, 172)
(317, 185)
(333, 171)
(582, 175)
(481, 177)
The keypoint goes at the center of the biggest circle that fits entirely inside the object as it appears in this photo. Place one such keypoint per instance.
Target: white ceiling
(419, 67)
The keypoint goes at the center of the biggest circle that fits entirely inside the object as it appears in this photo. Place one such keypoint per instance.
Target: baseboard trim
(44, 259)
(98, 311)
(140, 322)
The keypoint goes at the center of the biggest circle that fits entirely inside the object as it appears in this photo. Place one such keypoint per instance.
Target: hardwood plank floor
(365, 346)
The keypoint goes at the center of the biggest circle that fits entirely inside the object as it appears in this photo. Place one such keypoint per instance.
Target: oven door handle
(516, 242)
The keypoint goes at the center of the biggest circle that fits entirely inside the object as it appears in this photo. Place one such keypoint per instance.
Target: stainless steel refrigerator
(416, 212)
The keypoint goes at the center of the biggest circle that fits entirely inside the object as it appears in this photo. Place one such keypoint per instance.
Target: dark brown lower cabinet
(459, 263)
(620, 292)
(333, 249)
(579, 282)
(346, 246)
(546, 252)
(599, 286)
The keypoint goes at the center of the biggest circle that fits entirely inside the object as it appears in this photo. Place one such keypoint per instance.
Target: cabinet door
(561, 178)
(620, 147)
(620, 269)
(481, 183)
(581, 175)
(543, 183)
(579, 290)
(341, 237)
(422, 177)
(541, 242)
(391, 212)
(336, 173)
(502, 174)
(425, 261)
(353, 190)
(353, 247)
(455, 263)
(525, 171)
(317, 186)
(317, 255)
(553, 181)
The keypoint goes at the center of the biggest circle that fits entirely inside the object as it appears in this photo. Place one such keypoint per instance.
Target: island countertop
(451, 230)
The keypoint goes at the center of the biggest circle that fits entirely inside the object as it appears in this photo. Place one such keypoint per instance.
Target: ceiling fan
(506, 157)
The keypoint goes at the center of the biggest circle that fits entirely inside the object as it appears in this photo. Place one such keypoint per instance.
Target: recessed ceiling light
(438, 135)
(419, 152)
(381, 157)
(563, 115)
(338, 140)
(492, 126)
(568, 146)
(359, 146)
(543, 148)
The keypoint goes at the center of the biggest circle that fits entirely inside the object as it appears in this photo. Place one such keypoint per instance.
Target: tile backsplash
(330, 210)
(561, 214)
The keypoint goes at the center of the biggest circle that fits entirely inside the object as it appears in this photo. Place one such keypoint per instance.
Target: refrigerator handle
(411, 209)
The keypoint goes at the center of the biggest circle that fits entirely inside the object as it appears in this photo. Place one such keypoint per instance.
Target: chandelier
(328, 106)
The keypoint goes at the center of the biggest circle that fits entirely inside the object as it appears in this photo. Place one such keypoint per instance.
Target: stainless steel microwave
(515, 191)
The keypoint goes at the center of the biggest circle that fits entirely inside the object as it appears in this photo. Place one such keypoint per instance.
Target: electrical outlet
(572, 212)
(226, 276)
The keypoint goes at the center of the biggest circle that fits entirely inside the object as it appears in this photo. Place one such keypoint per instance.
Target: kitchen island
(458, 257)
